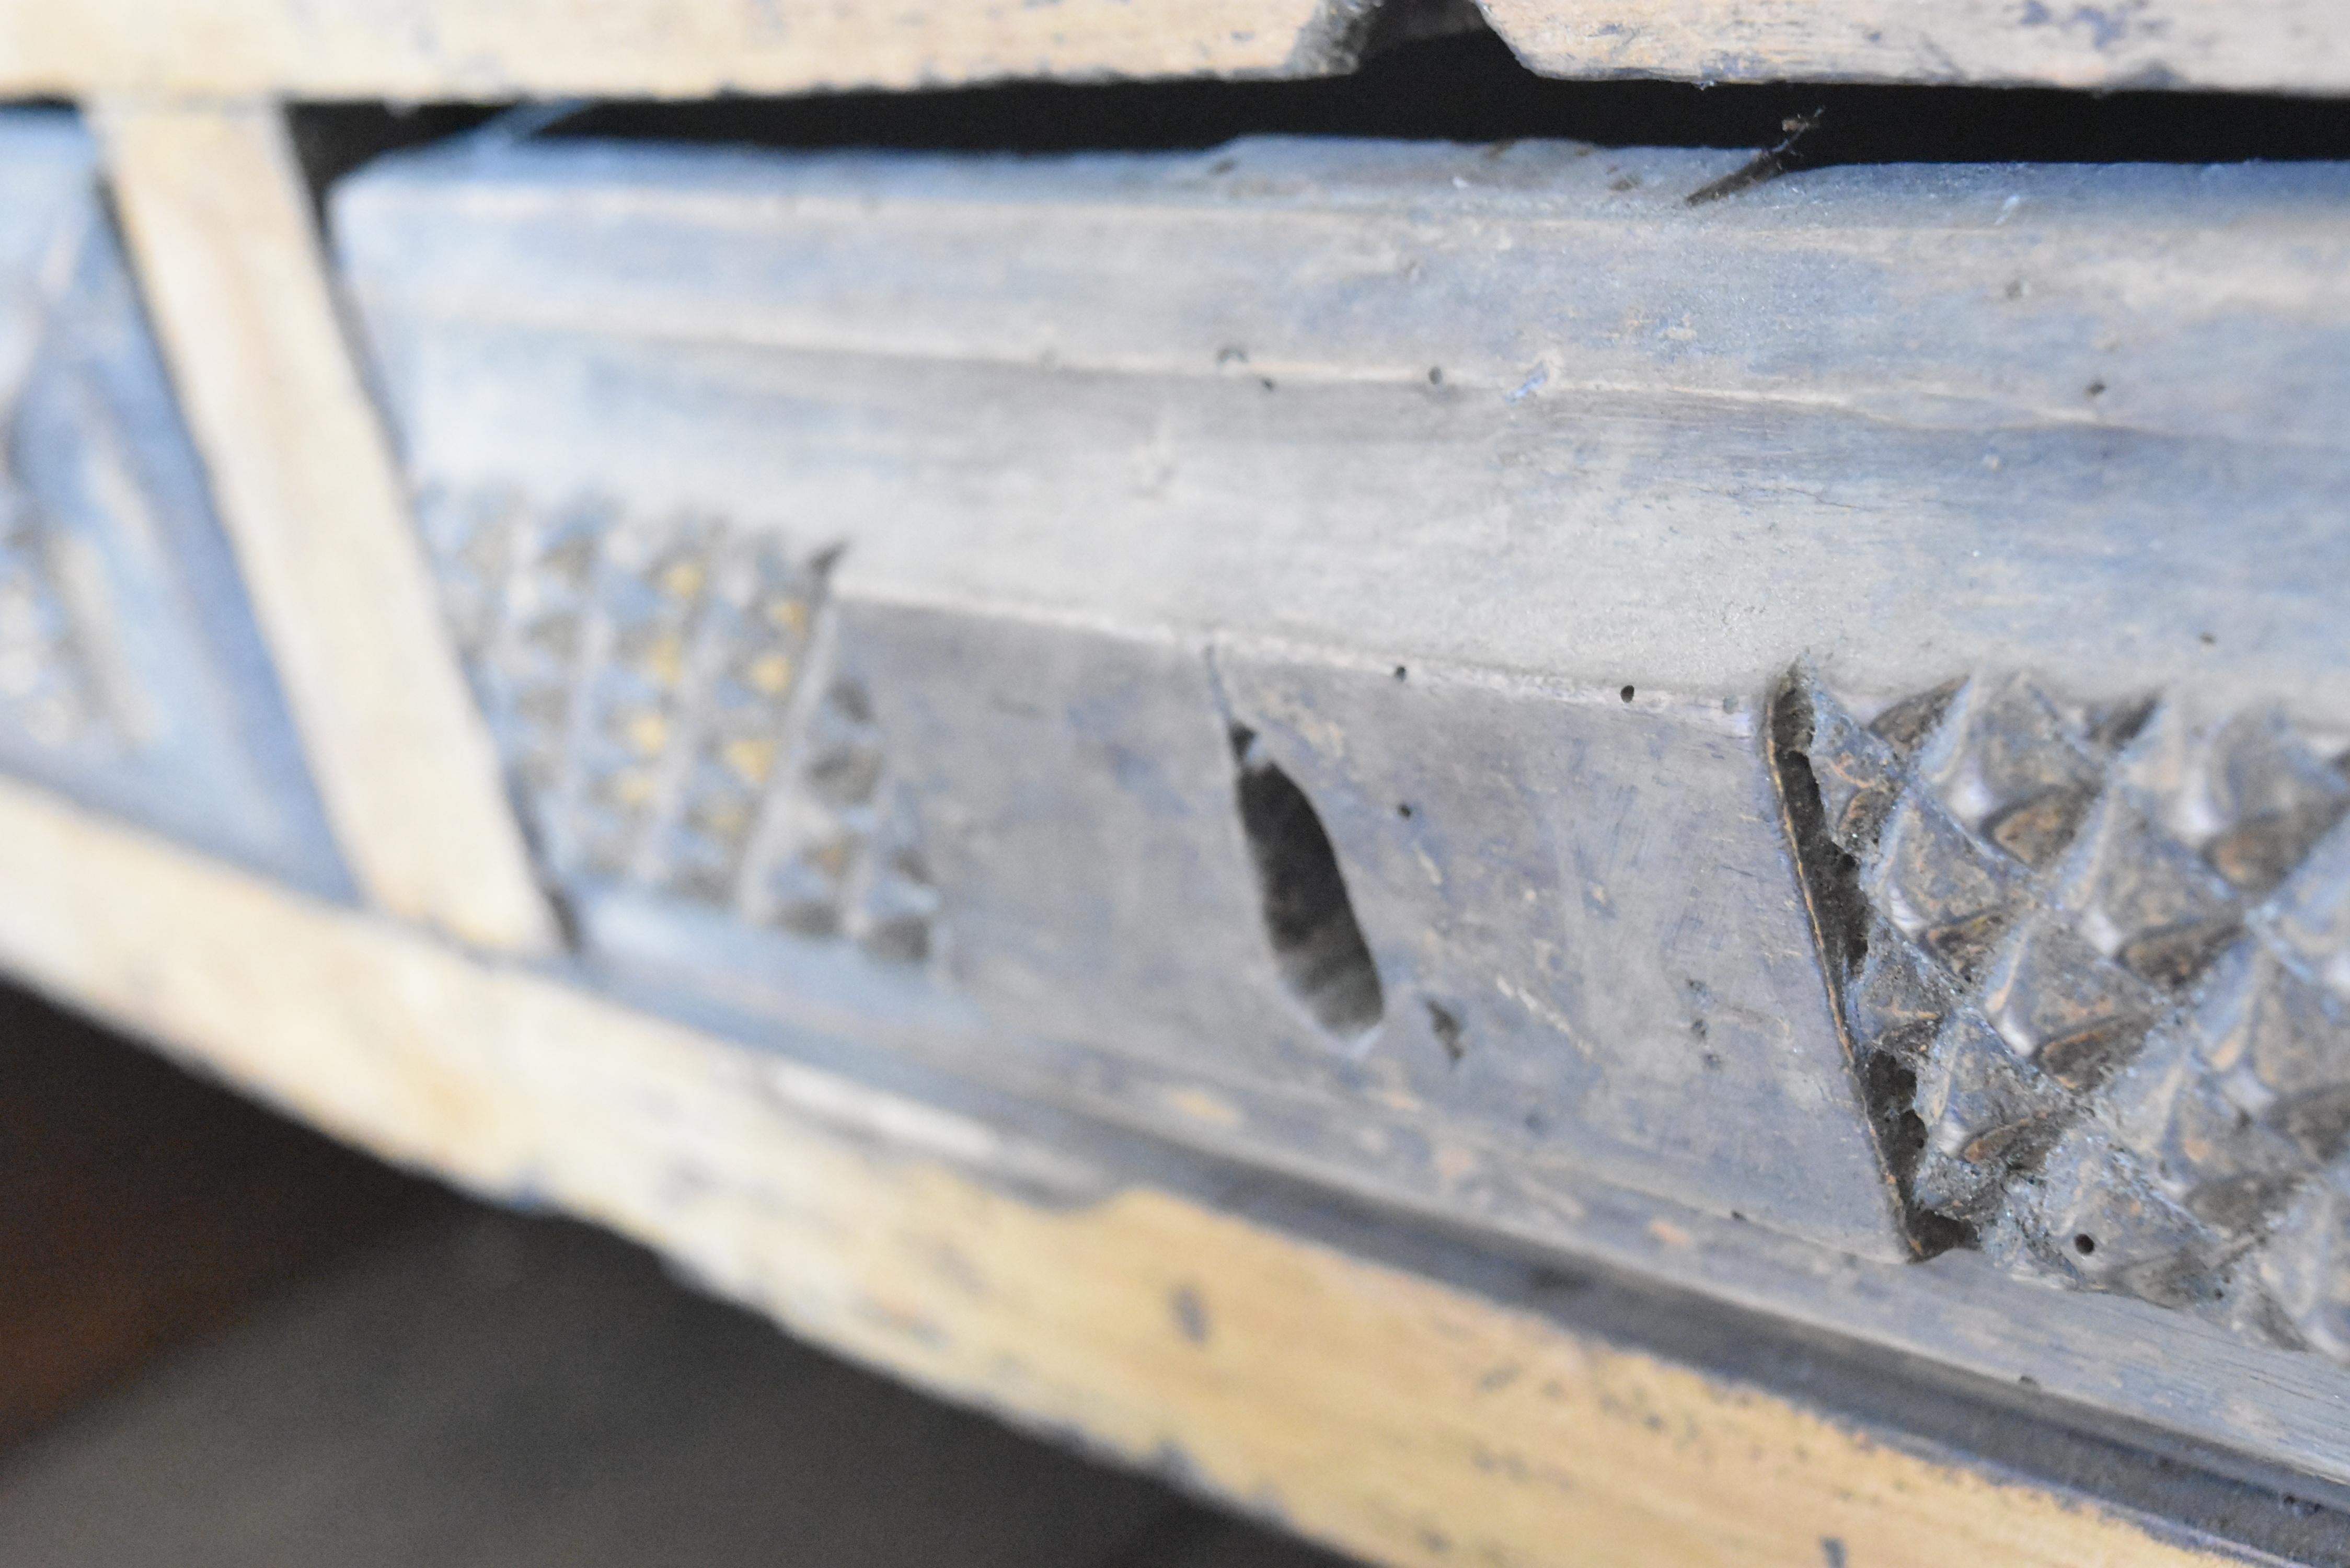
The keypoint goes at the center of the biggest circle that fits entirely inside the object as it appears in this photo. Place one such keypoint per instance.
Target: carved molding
(662, 692)
(2091, 962)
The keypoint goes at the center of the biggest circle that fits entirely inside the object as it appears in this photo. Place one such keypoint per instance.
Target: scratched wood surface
(1491, 491)
(2296, 46)
(449, 48)
(877, 1224)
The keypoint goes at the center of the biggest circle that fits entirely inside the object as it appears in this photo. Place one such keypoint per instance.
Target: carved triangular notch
(1831, 795)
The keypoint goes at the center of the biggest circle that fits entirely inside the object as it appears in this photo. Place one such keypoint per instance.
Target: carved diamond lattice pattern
(2093, 963)
(658, 690)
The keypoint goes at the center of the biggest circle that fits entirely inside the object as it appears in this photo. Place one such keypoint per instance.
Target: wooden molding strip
(1388, 1413)
(220, 227)
(683, 48)
(657, 49)
(2272, 46)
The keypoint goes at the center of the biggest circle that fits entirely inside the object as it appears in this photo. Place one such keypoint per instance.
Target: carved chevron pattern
(660, 692)
(2093, 963)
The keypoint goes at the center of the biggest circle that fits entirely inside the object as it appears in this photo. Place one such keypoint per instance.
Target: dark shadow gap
(330, 140)
(1469, 89)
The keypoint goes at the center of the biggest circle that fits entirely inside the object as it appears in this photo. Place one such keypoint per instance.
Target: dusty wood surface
(1466, 386)
(221, 224)
(1493, 492)
(1378, 1411)
(2291, 45)
(1146, 1320)
(450, 48)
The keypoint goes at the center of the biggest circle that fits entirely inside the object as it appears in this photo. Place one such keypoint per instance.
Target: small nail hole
(1625, 694)
(1445, 1024)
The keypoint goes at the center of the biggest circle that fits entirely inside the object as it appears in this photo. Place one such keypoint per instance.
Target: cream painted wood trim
(221, 229)
(660, 48)
(2274, 45)
(685, 48)
(1380, 1411)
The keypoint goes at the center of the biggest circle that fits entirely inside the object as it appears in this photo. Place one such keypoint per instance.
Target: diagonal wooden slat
(222, 227)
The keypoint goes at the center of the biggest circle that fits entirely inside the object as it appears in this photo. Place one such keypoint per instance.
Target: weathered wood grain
(450, 48)
(1385, 1413)
(221, 223)
(1489, 494)
(1467, 387)
(2291, 46)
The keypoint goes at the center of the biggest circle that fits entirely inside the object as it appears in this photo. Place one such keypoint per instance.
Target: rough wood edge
(658, 49)
(221, 227)
(691, 49)
(1383, 1412)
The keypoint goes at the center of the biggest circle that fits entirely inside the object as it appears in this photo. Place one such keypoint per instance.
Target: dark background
(227, 1341)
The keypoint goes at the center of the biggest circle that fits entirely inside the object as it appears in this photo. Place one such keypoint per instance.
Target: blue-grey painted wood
(891, 578)
(131, 676)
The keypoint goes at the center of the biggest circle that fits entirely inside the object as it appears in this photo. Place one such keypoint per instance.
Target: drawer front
(1658, 729)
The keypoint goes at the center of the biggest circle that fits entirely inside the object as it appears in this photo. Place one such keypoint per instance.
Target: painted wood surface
(429, 48)
(2296, 45)
(1384, 1413)
(221, 221)
(1504, 379)
(1486, 496)
(450, 48)
(811, 1197)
